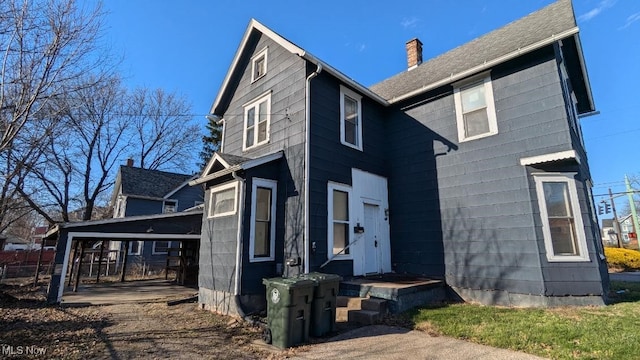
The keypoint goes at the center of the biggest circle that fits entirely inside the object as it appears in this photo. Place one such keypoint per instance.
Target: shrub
(623, 258)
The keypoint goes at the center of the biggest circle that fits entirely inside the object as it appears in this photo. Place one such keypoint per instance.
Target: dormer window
(259, 65)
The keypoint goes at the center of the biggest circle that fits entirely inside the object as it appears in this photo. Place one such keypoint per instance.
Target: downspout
(237, 289)
(307, 158)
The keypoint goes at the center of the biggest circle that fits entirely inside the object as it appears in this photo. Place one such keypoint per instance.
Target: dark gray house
(469, 167)
(140, 191)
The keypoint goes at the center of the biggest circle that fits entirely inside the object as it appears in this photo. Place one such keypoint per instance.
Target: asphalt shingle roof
(535, 27)
(149, 183)
(232, 159)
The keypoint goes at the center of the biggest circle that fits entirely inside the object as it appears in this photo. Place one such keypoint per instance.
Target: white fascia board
(261, 160)
(541, 159)
(487, 64)
(253, 25)
(214, 175)
(214, 158)
(585, 75)
(244, 166)
(345, 79)
(294, 49)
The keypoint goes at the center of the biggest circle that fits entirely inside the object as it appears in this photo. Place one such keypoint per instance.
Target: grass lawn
(608, 332)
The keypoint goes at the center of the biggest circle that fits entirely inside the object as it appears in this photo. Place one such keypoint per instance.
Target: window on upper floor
(475, 108)
(562, 228)
(339, 234)
(170, 206)
(257, 117)
(571, 103)
(259, 65)
(350, 118)
(223, 200)
(263, 220)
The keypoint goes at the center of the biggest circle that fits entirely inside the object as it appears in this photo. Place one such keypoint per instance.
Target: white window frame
(540, 179)
(140, 247)
(485, 79)
(254, 104)
(254, 60)
(344, 91)
(164, 204)
(153, 248)
(331, 186)
(218, 189)
(272, 185)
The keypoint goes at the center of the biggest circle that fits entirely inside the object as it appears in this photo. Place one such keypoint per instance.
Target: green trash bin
(288, 311)
(323, 307)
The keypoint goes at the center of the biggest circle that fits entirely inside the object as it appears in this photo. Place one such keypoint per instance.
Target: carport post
(100, 261)
(75, 286)
(73, 262)
(124, 261)
(35, 280)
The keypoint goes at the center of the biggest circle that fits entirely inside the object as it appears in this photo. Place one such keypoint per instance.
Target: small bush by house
(623, 259)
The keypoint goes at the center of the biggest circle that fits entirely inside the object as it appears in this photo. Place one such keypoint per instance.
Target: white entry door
(371, 239)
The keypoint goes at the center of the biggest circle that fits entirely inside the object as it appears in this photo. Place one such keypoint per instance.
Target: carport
(182, 226)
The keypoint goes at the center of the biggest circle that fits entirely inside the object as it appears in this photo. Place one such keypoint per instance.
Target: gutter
(307, 158)
(487, 64)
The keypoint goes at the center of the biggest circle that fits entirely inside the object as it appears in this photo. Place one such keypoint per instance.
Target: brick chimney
(130, 162)
(414, 53)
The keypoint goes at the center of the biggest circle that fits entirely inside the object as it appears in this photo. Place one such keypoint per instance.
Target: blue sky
(187, 47)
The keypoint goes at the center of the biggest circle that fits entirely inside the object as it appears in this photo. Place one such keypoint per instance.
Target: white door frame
(371, 189)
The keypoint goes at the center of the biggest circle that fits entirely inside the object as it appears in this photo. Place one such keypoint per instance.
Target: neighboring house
(628, 235)
(609, 236)
(469, 167)
(140, 191)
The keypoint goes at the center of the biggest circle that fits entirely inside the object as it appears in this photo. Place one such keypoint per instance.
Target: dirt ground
(31, 329)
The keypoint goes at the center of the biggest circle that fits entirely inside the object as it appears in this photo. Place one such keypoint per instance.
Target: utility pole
(632, 205)
(616, 223)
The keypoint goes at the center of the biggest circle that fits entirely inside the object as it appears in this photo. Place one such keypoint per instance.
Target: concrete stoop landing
(365, 300)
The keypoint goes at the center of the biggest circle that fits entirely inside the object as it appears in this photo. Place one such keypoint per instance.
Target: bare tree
(45, 47)
(164, 136)
(82, 153)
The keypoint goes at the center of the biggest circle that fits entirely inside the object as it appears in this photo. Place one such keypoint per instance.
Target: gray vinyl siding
(254, 272)
(475, 201)
(285, 78)
(218, 249)
(333, 161)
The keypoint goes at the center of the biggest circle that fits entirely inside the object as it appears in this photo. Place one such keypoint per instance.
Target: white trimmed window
(338, 230)
(350, 118)
(135, 247)
(475, 109)
(257, 117)
(223, 200)
(160, 247)
(259, 65)
(170, 206)
(564, 236)
(263, 220)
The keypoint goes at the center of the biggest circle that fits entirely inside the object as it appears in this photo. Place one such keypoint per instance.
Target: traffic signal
(607, 208)
(599, 209)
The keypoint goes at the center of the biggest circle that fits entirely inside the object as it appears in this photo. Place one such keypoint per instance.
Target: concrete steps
(363, 311)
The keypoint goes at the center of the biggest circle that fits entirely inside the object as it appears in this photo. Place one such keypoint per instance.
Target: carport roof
(117, 224)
